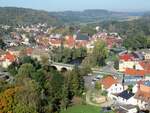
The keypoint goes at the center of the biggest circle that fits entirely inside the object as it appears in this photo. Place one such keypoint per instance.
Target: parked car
(106, 110)
(143, 111)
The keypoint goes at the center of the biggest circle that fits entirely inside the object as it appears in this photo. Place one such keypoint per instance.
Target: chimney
(123, 81)
(138, 86)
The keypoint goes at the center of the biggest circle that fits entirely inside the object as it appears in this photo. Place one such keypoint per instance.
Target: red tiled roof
(108, 81)
(43, 41)
(81, 44)
(146, 66)
(29, 50)
(126, 57)
(144, 96)
(70, 41)
(9, 57)
(134, 72)
(55, 41)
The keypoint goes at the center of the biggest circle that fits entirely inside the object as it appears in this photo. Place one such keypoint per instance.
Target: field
(82, 109)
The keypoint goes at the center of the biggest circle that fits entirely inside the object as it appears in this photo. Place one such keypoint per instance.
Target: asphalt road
(106, 70)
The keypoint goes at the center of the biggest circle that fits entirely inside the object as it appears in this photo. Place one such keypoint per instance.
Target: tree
(26, 70)
(27, 99)
(53, 90)
(7, 102)
(22, 108)
(13, 68)
(86, 69)
(45, 60)
(88, 29)
(77, 82)
(148, 41)
(65, 96)
(116, 63)
(98, 86)
(3, 85)
(2, 44)
(40, 77)
(100, 52)
(28, 59)
(130, 88)
(98, 55)
(66, 93)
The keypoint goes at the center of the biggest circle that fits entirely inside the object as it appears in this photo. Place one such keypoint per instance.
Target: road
(106, 70)
(109, 101)
(6, 76)
(88, 101)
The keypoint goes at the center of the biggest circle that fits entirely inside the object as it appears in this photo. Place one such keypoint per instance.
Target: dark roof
(125, 108)
(121, 110)
(147, 83)
(126, 94)
(82, 36)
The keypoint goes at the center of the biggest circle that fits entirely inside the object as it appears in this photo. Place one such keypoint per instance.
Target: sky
(79, 5)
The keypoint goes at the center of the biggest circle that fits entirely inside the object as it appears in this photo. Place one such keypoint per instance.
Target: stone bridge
(66, 67)
(61, 66)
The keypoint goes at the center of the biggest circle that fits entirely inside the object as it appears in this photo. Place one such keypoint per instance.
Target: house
(136, 87)
(56, 42)
(138, 55)
(146, 66)
(38, 53)
(126, 98)
(111, 39)
(81, 40)
(123, 65)
(29, 51)
(26, 52)
(146, 54)
(43, 41)
(143, 95)
(69, 42)
(111, 85)
(127, 60)
(7, 59)
(126, 57)
(82, 37)
(127, 109)
(132, 76)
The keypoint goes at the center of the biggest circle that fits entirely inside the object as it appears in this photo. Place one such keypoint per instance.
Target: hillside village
(127, 91)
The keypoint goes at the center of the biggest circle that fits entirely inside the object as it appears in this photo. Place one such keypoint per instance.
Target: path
(109, 102)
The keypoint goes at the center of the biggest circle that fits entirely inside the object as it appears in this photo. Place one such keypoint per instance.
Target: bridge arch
(64, 69)
(54, 67)
(61, 66)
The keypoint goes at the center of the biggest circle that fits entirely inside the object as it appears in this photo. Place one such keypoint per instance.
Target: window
(120, 88)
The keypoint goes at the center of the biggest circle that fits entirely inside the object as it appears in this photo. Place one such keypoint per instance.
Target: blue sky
(61, 5)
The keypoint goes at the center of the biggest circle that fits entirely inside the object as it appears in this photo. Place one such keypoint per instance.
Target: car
(106, 110)
(98, 77)
(142, 111)
(92, 83)
(90, 74)
(95, 79)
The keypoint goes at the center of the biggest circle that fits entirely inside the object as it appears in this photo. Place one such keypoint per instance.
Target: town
(122, 85)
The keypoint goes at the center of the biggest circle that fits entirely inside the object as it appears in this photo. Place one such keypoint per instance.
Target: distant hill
(13, 16)
(129, 28)
(95, 16)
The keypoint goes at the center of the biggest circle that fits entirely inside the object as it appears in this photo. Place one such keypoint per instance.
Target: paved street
(106, 70)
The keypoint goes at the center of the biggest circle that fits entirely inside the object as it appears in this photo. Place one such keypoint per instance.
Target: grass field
(82, 109)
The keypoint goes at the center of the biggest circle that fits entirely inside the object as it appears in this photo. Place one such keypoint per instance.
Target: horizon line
(65, 10)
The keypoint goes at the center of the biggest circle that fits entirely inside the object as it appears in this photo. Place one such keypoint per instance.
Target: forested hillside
(13, 16)
(136, 33)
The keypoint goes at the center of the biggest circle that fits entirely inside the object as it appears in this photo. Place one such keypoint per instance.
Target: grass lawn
(82, 109)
